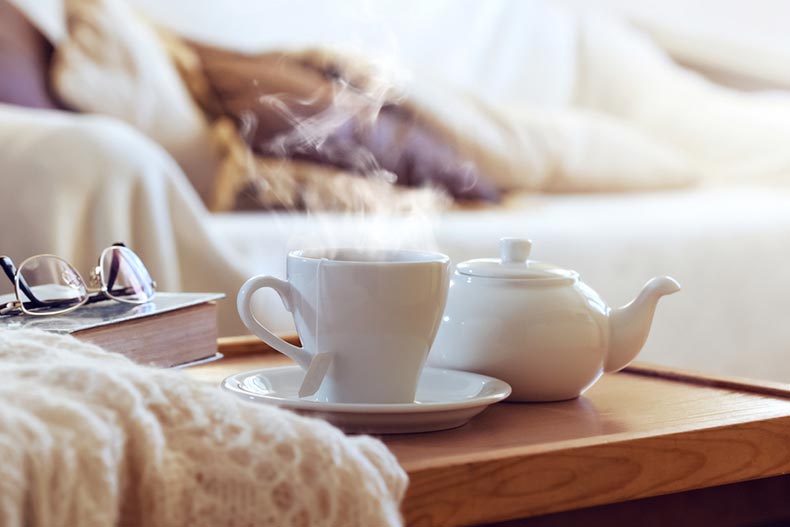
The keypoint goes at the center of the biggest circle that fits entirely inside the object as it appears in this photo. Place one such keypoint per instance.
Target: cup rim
(417, 256)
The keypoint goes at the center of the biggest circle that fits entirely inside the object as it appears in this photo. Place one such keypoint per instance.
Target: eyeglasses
(48, 285)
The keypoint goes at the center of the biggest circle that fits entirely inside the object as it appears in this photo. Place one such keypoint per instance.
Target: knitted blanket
(87, 438)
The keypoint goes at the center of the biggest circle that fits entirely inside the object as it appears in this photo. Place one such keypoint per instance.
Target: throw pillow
(112, 63)
(24, 61)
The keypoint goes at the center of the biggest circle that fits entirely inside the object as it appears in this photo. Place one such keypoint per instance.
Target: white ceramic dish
(445, 399)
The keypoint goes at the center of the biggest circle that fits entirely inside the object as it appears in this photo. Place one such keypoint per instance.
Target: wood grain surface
(629, 437)
(633, 435)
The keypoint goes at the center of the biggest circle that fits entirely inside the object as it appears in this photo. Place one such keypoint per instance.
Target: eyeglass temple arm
(8, 267)
(10, 271)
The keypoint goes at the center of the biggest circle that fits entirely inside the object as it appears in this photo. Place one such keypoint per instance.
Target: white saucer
(445, 399)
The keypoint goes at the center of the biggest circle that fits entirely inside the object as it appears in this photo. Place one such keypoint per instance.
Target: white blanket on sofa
(74, 184)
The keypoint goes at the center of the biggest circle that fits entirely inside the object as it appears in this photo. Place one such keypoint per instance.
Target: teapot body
(547, 338)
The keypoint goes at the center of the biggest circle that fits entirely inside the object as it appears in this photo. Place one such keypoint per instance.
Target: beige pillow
(112, 63)
(551, 149)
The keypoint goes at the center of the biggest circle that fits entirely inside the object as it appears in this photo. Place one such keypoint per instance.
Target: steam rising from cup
(324, 125)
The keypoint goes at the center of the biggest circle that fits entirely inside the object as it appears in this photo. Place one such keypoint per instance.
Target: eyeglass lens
(52, 286)
(125, 276)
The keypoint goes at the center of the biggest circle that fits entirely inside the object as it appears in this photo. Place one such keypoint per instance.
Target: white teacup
(366, 319)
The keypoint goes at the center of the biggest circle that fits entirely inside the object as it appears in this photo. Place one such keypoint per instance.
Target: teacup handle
(300, 355)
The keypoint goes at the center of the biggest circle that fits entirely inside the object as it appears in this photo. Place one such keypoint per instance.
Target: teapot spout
(629, 325)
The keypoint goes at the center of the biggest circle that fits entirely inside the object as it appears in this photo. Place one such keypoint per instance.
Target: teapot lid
(512, 263)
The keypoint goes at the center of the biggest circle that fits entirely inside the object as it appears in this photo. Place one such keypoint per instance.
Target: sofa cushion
(24, 60)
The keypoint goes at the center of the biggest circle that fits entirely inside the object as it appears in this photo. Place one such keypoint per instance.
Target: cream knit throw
(88, 438)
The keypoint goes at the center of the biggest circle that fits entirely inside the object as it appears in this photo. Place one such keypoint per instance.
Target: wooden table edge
(250, 344)
(469, 483)
(463, 480)
(741, 384)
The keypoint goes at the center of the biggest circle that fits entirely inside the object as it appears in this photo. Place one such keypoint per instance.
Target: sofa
(724, 237)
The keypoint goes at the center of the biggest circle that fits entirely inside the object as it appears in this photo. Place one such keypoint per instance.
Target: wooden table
(647, 446)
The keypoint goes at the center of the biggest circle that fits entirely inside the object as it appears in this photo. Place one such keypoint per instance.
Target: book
(173, 329)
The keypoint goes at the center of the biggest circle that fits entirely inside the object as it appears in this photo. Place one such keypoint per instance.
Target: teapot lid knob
(514, 264)
(514, 250)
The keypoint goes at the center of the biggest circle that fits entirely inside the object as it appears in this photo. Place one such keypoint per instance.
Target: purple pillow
(405, 147)
(24, 61)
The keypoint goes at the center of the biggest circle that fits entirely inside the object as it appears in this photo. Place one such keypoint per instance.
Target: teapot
(538, 327)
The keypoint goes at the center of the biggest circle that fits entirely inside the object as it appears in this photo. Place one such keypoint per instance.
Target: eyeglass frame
(16, 306)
